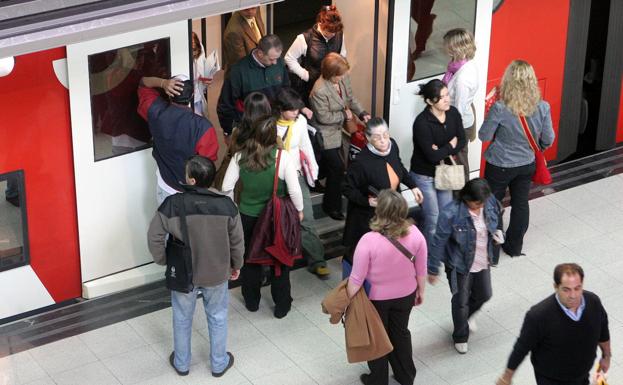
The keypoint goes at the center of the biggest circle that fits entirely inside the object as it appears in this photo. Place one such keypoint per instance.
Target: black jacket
(368, 170)
(428, 130)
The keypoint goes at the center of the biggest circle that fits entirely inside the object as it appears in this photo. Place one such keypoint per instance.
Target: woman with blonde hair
(510, 159)
(461, 77)
(392, 258)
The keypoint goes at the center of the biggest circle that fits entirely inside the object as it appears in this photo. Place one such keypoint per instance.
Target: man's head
(269, 50)
(186, 94)
(199, 171)
(248, 13)
(568, 283)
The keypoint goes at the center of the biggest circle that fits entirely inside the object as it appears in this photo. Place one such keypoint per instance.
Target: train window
(13, 228)
(113, 79)
(430, 20)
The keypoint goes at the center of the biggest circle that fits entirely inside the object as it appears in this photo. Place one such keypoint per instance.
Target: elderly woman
(255, 165)
(437, 134)
(464, 242)
(333, 103)
(510, 159)
(377, 167)
(461, 78)
(309, 48)
(397, 281)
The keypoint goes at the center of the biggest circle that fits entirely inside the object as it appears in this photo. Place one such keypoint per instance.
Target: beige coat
(238, 38)
(366, 337)
(329, 108)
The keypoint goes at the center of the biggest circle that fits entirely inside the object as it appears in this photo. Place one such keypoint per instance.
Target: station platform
(127, 341)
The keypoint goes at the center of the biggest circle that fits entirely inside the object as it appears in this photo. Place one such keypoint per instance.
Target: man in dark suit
(242, 35)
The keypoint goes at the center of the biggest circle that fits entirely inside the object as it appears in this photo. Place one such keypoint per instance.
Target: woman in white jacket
(292, 131)
(461, 78)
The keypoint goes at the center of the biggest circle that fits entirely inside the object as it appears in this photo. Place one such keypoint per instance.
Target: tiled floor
(584, 224)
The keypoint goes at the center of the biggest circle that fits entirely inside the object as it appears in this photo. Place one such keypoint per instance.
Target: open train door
(416, 29)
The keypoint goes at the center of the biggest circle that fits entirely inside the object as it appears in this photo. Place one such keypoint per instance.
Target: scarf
(453, 67)
(379, 153)
(288, 124)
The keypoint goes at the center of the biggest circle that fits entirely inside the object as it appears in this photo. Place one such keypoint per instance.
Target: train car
(76, 168)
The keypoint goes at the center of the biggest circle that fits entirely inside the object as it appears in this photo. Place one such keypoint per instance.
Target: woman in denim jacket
(464, 240)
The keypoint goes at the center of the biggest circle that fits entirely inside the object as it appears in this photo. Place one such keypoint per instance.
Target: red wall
(35, 136)
(535, 31)
(620, 123)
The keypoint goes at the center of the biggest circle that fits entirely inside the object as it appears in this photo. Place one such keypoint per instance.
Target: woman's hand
(453, 142)
(301, 216)
(373, 201)
(349, 114)
(417, 193)
(432, 279)
(434, 147)
(172, 87)
(366, 117)
(419, 297)
(307, 112)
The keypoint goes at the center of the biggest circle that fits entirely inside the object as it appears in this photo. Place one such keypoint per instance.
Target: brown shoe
(322, 272)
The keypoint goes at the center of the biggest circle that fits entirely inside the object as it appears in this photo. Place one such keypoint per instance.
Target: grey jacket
(329, 106)
(214, 229)
(509, 146)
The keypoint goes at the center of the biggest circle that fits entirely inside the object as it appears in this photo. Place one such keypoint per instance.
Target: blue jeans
(215, 304)
(434, 201)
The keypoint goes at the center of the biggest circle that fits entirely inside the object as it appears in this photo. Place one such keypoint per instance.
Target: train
(85, 177)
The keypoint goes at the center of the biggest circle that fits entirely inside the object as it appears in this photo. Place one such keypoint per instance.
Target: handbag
(449, 177)
(276, 238)
(541, 174)
(179, 272)
(350, 125)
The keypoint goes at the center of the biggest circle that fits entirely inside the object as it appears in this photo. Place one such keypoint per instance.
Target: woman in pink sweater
(397, 282)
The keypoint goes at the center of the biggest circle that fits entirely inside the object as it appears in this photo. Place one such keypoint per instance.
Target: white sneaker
(473, 326)
(461, 347)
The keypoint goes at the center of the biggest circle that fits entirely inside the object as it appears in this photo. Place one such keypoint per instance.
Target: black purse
(179, 273)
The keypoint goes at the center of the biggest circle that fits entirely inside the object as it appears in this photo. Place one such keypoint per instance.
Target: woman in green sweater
(254, 164)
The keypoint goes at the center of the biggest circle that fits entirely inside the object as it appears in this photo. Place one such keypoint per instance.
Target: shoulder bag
(449, 177)
(179, 272)
(276, 239)
(542, 174)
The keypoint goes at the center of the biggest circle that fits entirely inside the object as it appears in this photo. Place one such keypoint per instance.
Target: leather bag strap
(401, 248)
(276, 179)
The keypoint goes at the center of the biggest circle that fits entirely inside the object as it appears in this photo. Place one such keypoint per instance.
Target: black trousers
(518, 181)
(251, 275)
(540, 380)
(471, 292)
(333, 167)
(395, 316)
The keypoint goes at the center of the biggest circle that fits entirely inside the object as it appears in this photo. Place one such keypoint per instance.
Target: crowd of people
(285, 123)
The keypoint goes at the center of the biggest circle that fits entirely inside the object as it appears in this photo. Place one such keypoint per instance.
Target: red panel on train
(36, 137)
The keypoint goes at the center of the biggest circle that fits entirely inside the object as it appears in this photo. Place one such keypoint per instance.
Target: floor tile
(289, 376)
(260, 360)
(137, 365)
(92, 374)
(20, 368)
(112, 340)
(305, 345)
(63, 355)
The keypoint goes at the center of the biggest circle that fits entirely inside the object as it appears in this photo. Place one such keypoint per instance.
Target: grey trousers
(313, 249)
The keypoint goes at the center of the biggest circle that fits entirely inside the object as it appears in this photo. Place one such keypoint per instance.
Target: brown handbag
(350, 126)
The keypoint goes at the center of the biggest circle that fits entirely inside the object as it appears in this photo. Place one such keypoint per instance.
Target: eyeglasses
(328, 8)
(377, 137)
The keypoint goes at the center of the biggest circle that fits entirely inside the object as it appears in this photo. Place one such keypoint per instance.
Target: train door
(592, 96)
(115, 174)
(415, 56)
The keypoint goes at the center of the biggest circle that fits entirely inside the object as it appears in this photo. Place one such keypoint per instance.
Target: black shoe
(318, 188)
(171, 361)
(365, 379)
(13, 200)
(251, 307)
(280, 313)
(513, 254)
(231, 363)
(337, 215)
